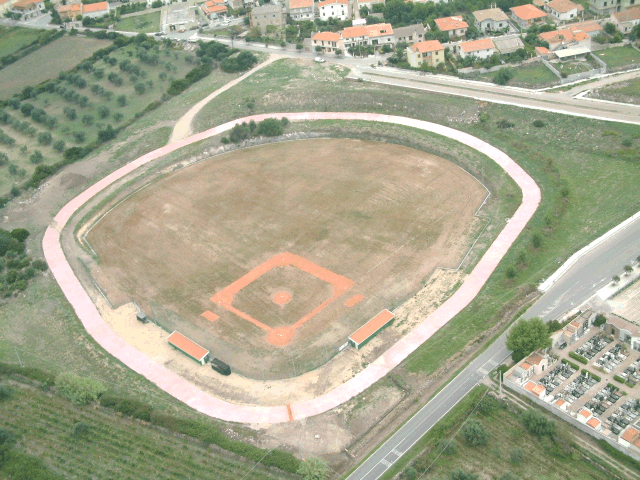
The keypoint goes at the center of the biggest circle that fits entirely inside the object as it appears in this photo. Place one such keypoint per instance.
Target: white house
(378, 34)
(584, 415)
(339, 9)
(491, 19)
(563, 9)
(410, 34)
(300, 10)
(482, 48)
(28, 8)
(526, 15)
(625, 21)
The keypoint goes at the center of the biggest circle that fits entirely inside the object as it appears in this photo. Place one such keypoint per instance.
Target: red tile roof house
(338, 9)
(455, 26)
(95, 10)
(482, 48)
(563, 9)
(540, 363)
(300, 10)
(430, 52)
(595, 424)
(213, 10)
(69, 12)
(561, 404)
(328, 41)
(527, 15)
(560, 39)
(378, 34)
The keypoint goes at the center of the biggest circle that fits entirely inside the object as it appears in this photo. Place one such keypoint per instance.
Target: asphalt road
(576, 286)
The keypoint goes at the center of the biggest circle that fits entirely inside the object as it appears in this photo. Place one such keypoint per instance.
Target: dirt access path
(182, 128)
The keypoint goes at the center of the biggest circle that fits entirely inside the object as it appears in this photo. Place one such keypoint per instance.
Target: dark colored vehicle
(220, 367)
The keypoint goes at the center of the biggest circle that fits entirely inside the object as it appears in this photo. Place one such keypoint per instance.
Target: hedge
(586, 372)
(619, 379)
(579, 358)
(38, 375)
(571, 364)
(127, 406)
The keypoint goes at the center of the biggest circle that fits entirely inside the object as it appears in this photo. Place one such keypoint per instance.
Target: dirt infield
(271, 256)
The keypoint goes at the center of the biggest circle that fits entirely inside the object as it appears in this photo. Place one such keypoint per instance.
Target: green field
(619, 56)
(572, 67)
(13, 39)
(568, 454)
(537, 75)
(627, 92)
(114, 447)
(47, 62)
(147, 23)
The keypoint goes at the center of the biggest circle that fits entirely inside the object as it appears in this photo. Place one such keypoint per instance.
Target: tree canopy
(527, 336)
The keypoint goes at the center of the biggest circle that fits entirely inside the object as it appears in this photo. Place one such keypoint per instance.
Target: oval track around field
(215, 407)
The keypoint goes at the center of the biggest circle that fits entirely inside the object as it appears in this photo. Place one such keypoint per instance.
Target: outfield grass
(147, 23)
(13, 39)
(533, 76)
(618, 56)
(583, 155)
(543, 458)
(114, 447)
(47, 62)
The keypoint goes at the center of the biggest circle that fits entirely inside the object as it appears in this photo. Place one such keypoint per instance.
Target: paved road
(576, 286)
(551, 102)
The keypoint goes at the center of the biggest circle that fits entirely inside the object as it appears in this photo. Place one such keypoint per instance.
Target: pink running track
(215, 407)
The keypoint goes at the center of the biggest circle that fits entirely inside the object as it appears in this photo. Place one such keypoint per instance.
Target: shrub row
(571, 364)
(36, 374)
(195, 74)
(586, 372)
(579, 358)
(619, 379)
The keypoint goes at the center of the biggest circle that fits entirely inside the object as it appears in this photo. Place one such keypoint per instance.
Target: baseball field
(271, 256)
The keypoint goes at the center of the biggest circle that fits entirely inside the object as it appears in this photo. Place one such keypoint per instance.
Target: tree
(5, 392)
(475, 433)
(628, 269)
(319, 49)
(537, 424)
(121, 100)
(459, 474)
(364, 11)
(26, 109)
(20, 234)
(313, 469)
(44, 138)
(527, 336)
(615, 279)
(338, 52)
(600, 320)
(140, 88)
(299, 47)
(36, 157)
(103, 111)
(270, 127)
(87, 120)
(502, 76)
(610, 28)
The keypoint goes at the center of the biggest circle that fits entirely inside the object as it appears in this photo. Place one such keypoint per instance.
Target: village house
(454, 26)
(527, 15)
(70, 11)
(410, 34)
(378, 34)
(5, 6)
(625, 21)
(300, 10)
(328, 41)
(563, 10)
(481, 48)
(214, 9)
(607, 7)
(590, 27)
(491, 19)
(507, 43)
(536, 390)
(338, 9)
(267, 14)
(521, 373)
(584, 415)
(430, 52)
(95, 10)
(28, 9)
(561, 39)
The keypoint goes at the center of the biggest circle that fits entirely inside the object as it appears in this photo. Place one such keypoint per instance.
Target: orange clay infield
(270, 257)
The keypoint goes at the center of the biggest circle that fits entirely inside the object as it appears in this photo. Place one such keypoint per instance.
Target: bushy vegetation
(269, 127)
(579, 358)
(78, 389)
